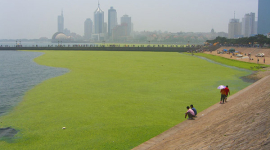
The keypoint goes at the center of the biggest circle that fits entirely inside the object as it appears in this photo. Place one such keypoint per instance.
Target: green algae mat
(114, 100)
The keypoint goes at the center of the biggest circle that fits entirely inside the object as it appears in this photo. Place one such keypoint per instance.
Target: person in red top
(227, 90)
(223, 96)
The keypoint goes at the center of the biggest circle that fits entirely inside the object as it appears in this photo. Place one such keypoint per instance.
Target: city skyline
(31, 19)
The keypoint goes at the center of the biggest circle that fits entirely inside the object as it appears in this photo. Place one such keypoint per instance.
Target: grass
(231, 62)
(114, 100)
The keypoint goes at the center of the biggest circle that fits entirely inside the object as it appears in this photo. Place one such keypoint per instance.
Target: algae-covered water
(114, 100)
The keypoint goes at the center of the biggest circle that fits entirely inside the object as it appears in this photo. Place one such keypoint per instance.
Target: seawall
(154, 49)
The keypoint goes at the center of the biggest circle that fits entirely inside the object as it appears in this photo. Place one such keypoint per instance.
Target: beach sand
(252, 51)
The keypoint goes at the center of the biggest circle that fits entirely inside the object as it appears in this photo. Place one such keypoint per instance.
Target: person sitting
(189, 113)
(195, 111)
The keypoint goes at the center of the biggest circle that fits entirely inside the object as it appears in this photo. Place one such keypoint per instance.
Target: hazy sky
(38, 18)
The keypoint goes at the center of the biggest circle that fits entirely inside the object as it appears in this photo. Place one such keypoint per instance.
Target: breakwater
(154, 49)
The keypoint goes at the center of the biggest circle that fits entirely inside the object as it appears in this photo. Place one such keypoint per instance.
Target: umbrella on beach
(221, 87)
(225, 50)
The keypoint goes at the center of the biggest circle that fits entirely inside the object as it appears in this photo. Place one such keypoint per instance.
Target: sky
(32, 19)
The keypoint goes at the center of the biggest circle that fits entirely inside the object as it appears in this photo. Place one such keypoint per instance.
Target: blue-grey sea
(18, 74)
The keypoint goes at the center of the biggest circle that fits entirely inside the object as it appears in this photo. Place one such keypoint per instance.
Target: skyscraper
(99, 20)
(127, 20)
(112, 20)
(61, 23)
(248, 25)
(234, 28)
(88, 25)
(263, 17)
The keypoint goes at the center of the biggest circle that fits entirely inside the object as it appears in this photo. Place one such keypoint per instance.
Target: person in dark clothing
(195, 111)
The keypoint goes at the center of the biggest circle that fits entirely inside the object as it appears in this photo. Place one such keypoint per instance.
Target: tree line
(259, 40)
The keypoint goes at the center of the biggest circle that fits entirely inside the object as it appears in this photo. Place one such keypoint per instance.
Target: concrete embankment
(154, 49)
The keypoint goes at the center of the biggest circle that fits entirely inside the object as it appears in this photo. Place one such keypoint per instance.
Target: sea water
(18, 74)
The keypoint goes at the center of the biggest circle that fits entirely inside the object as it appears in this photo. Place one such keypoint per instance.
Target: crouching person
(190, 113)
(194, 110)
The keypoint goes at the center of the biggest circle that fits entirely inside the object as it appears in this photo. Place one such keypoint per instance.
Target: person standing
(227, 90)
(223, 95)
(190, 113)
(194, 110)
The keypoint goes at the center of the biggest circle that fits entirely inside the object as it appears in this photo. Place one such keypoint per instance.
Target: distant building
(248, 25)
(212, 31)
(112, 20)
(61, 23)
(263, 17)
(60, 37)
(99, 20)
(67, 32)
(105, 26)
(127, 20)
(234, 29)
(88, 26)
(120, 32)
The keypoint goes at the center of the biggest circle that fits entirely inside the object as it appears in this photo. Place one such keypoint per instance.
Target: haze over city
(32, 19)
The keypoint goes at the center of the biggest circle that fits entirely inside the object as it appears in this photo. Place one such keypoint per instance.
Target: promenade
(154, 48)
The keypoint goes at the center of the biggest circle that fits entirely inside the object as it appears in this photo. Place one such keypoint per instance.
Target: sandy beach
(245, 51)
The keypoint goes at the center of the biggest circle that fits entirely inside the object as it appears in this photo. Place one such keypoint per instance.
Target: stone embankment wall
(154, 49)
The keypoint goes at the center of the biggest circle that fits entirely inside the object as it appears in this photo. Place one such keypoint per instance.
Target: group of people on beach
(224, 94)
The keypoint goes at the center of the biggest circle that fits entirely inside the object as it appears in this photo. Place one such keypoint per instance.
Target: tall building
(127, 20)
(112, 20)
(234, 29)
(88, 25)
(105, 26)
(61, 23)
(99, 20)
(119, 33)
(263, 17)
(249, 25)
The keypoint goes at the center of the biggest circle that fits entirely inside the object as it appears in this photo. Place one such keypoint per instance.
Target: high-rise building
(127, 20)
(105, 26)
(263, 17)
(61, 23)
(112, 20)
(99, 20)
(249, 25)
(119, 33)
(234, 29)
(88, 25)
